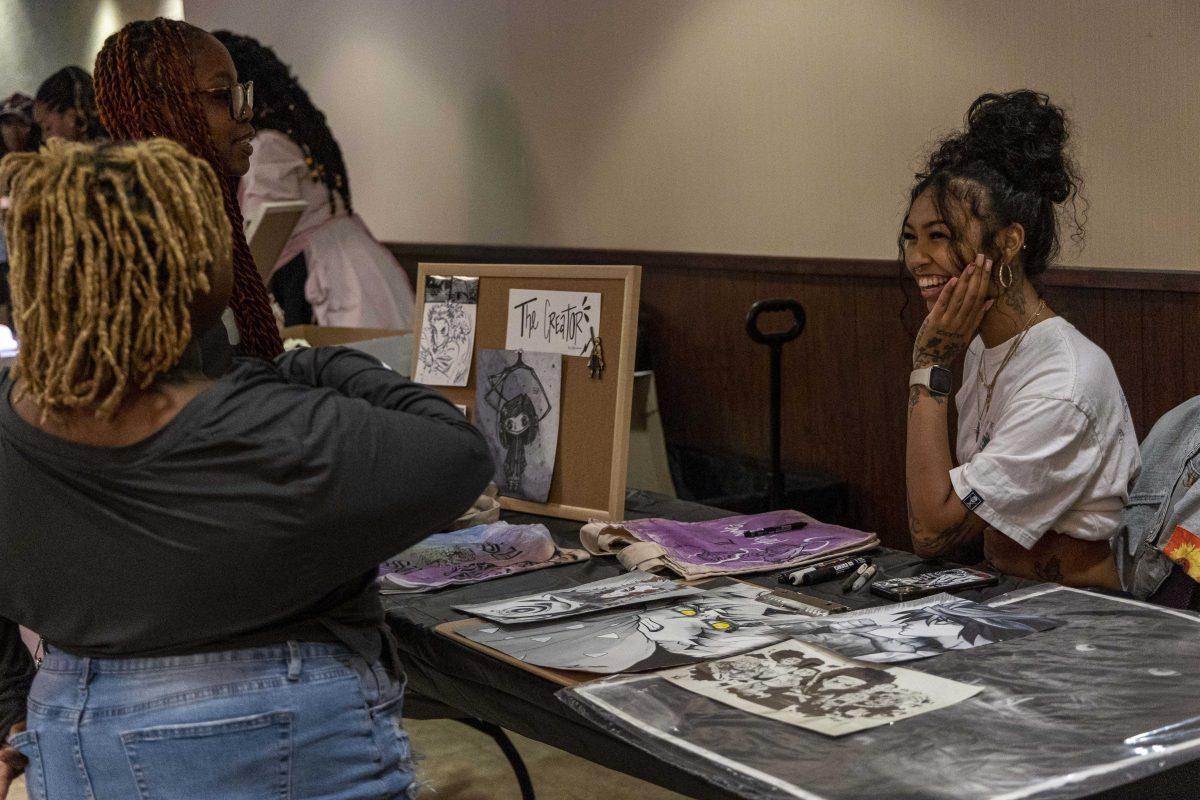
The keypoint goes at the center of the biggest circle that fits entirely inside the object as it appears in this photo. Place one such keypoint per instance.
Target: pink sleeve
(276, 169)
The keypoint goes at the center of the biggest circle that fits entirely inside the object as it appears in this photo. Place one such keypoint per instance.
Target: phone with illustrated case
(946, 580)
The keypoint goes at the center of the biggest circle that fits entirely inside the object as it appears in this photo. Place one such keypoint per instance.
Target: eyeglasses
(241, 99)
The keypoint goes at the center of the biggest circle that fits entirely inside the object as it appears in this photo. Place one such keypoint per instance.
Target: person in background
(164, 77)
(65, 106)
(332, 271)
(1158, 548)
(1046, 446)
(18, 131)
(199, 555)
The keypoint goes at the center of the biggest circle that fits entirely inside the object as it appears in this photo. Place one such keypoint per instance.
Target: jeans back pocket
(246, 758)
(26, 743)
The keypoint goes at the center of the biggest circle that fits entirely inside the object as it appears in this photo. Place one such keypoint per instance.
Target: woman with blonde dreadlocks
(198, 554)
(164, 77)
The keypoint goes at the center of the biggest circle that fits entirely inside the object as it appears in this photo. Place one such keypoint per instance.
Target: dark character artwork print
(517, 409)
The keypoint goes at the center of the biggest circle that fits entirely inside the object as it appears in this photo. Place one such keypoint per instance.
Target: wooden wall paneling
(1189, 363)
(1123, 313)
(881, 340)
(1162, 332)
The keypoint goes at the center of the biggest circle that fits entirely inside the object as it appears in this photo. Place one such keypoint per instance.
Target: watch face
(939, 380)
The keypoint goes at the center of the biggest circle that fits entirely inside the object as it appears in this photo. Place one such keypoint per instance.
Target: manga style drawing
(917, 629)
(447, 331)
(688, 630)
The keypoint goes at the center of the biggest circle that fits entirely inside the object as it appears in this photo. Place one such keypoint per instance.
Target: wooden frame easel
(593, 440)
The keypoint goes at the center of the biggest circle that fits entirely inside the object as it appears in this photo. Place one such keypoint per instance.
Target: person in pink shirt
(332, 271)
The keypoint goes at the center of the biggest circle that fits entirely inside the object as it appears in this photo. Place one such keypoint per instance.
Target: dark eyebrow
(929, 224)
(222, 75)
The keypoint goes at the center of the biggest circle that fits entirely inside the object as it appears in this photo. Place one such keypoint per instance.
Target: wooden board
(593, 436)
(560, 676)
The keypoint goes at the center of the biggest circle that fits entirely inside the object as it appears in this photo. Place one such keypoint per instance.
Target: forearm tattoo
(1049, 570)
(940, 349)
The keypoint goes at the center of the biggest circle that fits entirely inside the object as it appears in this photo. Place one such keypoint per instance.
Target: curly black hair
(71, 87)
(281, 104)
(1009, 165)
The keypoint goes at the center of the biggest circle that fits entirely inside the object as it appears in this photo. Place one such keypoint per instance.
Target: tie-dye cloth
(473, 555)
(720, 546)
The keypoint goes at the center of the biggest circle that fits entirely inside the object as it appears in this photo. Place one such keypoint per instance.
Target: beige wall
(39, 37)
(751, 126)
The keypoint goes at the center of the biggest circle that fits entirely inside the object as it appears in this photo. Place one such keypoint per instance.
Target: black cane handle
(781, 337)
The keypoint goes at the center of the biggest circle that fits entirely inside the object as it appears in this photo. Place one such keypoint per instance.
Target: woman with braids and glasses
(1046, 449)
(332, 271)
(199, 555)
(65, 106)
(164, 77)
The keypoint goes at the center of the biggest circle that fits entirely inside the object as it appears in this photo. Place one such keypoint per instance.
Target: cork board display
(591, 457)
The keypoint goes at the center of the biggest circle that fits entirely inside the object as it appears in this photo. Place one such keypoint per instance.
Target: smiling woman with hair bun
(1046, 449)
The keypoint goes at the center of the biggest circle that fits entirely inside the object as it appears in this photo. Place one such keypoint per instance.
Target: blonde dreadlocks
(108, 247)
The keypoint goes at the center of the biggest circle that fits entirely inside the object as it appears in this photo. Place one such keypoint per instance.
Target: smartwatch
(935, 379)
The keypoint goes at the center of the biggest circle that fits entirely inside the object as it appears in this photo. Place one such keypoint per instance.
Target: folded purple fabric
(473, 555)
(720, 546)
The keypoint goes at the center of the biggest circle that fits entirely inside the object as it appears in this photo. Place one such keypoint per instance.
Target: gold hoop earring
(1005, 275)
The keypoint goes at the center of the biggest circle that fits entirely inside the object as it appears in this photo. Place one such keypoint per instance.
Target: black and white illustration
(942, 579)
(517, 409)
(811, 688)
(917, 629)
(685, 631)
(447, 331)
(630, 588)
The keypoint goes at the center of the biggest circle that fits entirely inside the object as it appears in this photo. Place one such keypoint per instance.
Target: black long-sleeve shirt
(258, 514)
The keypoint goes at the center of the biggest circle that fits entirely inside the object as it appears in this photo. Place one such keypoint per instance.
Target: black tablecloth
(447, 679)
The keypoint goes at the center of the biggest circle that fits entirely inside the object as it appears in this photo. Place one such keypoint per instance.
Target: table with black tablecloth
(449, 680)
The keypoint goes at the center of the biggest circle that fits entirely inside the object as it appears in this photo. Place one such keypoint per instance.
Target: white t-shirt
(1057, 450)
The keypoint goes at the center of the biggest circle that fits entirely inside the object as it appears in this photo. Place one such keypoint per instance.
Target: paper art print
(552, 322)
(685, 631)
(472, 555)
(517, 409)
(917, 629)
(447, 331)
(811, 688)
(623, 590)
(721, 547)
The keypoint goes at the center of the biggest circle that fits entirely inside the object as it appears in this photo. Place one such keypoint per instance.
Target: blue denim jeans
(301, 721)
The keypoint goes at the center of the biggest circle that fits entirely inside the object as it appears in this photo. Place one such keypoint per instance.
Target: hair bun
(1022, 135)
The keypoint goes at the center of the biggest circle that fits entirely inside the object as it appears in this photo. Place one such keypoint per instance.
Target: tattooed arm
(938, 522)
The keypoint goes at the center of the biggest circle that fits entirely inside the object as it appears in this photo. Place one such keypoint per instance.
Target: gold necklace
(990, 387)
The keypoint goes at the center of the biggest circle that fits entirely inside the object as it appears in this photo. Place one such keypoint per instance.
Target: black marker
(784, 528)
(820, 573)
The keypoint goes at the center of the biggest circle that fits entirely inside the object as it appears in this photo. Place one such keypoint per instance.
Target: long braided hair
(146, 86)
(109, 245)
(287, 108)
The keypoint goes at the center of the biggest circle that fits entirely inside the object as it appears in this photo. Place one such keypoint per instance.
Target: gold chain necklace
(991, 387)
